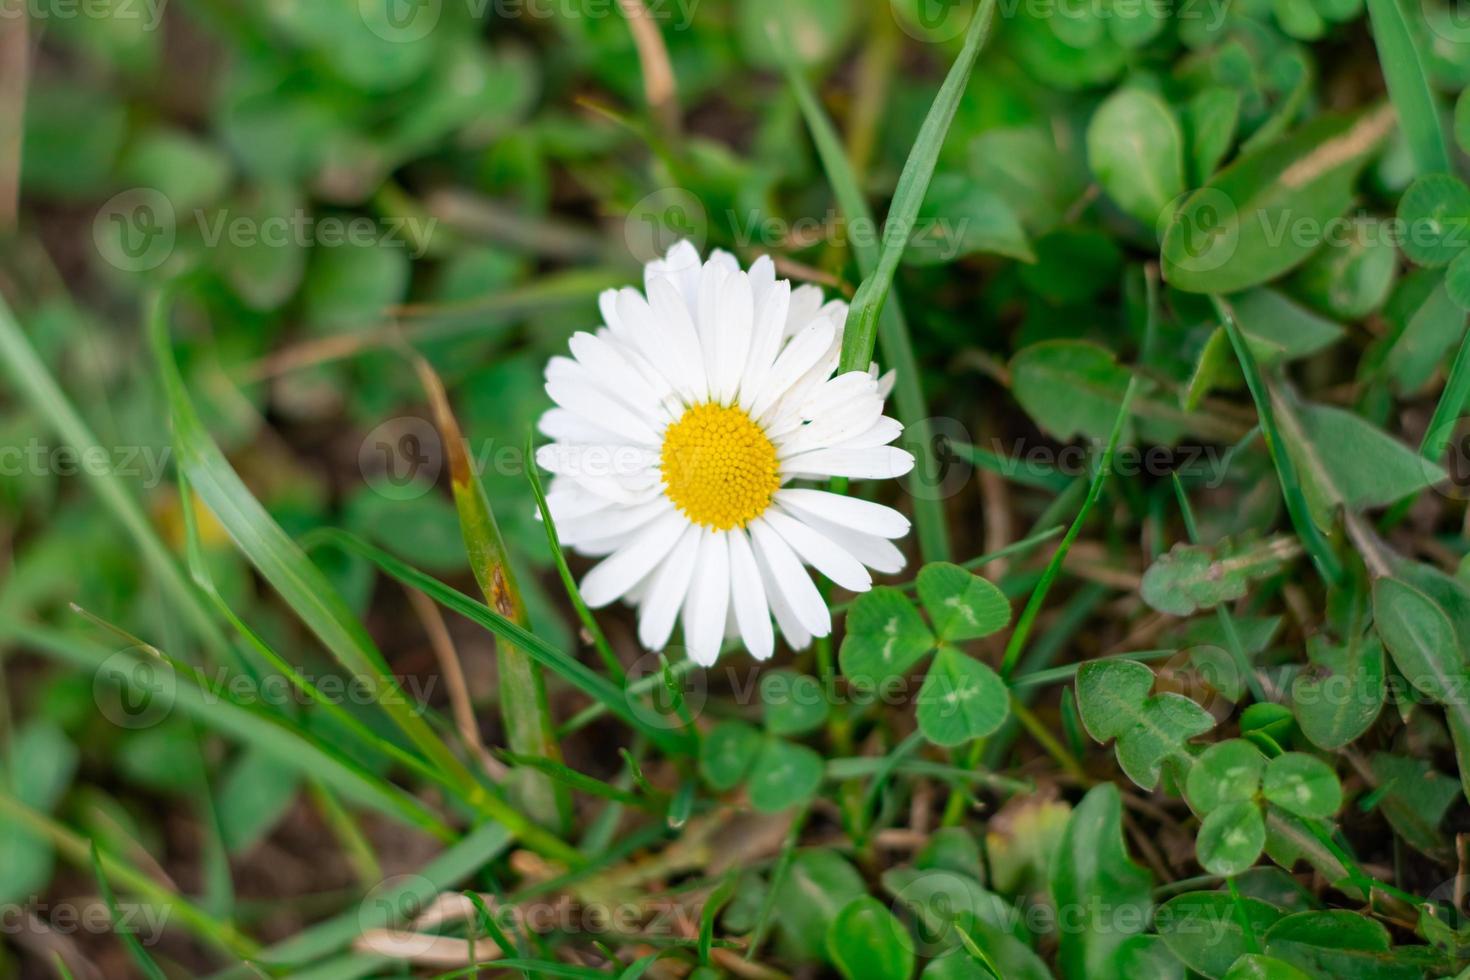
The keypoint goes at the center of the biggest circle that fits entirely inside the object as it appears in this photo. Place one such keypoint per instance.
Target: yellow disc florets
(719, 468)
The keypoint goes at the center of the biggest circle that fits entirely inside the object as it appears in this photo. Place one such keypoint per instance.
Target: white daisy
(680, 425)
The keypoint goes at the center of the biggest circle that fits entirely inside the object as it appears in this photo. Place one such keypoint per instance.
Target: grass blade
(573, 671)
(893, 332)
(45, 395)
(1408, 86)
(913, 183)
(523, 706)
(1451, 406)
(135, 949)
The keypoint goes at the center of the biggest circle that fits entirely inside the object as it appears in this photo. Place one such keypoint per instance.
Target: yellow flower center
(718, 466)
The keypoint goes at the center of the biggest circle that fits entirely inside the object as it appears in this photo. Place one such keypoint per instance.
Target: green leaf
(1302, 784)
(1346, 461)
(1280, 330)
(253, 797)
(1192, 577)
(1231, 838)
(1457, 281)
(1204, 929)
(1421, 639)
(961, 699)
(1226, 772)
(727, 752)
(1069, 388)
(885, 637)
(1340, 943)
(818, 885)
(1253, 966)
(961, 605)
(866, 942)
(1352, 276)
(960, 218)
(1415, 801)
(1136, 151)
(784, 774)
(1236, 231)
(1210, 120)
(1108, 693)
(1111, 697)
(1105, 895)
(815, 31)
(1435, 213)
(794, 703)
(36, 769)
(1339, 696)
(1430, 323)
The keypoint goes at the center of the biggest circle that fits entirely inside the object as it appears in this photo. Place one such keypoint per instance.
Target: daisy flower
(679, 428)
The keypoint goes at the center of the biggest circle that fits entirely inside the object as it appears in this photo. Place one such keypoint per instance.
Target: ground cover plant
(728, 488)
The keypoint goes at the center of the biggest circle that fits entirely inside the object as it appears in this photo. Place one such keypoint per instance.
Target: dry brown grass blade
(658, 73)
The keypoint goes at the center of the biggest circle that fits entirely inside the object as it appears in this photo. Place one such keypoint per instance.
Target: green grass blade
(268, 731)
(571, 670)
(1408, 85)
(306, 589)
(1451, 406)
(1291, 487)
(78, 851)
(913, 184)
(135, 949)
(1027, 620)
(893, 332)
(45, 395)
(523, 706)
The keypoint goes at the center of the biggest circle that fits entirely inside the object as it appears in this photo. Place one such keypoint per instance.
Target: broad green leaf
(1341, 943)
(1351, 277)
(1421, 640)
(1136, 150)
(1192, 577)
(1339, 696)
(819, 883)
(866, 942)
(1105, 895)
(1430, 323)
(1343, 460)
(1279, 330)
(1415, 801)
(794, 703)
(1166, 723)
(1303, 784)
(1210, 120)
(1243, 228)
(1231, 838)
(959, 218)
(1204, 929)
(784, 774)
(961, 605)
(1457, 281)
(727, 752)
(961, 699)
(1069, 388)
(1024, 166)
(350, 286)
(885, 637)
(262, 263)
(252, 798)
(1226, 772)
(1435, 213)
(1254, 966)
(1108, 693)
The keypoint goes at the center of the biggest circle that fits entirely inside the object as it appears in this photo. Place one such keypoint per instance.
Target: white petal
(806, 300)
(787, 576)
(765, 340)
(852, 512)
(797, 635)
(647, 335)
(763, 279)
(804, 351)
(614, 576)
(613, 373)
(604, 524)
(879, 463)
(732, 336)
(820, 551)
(884, 431)
(565, 426)
(707, 319)
(874, 552)
(748, 597)
(666, 592)
(678, 331)
(708, 601)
